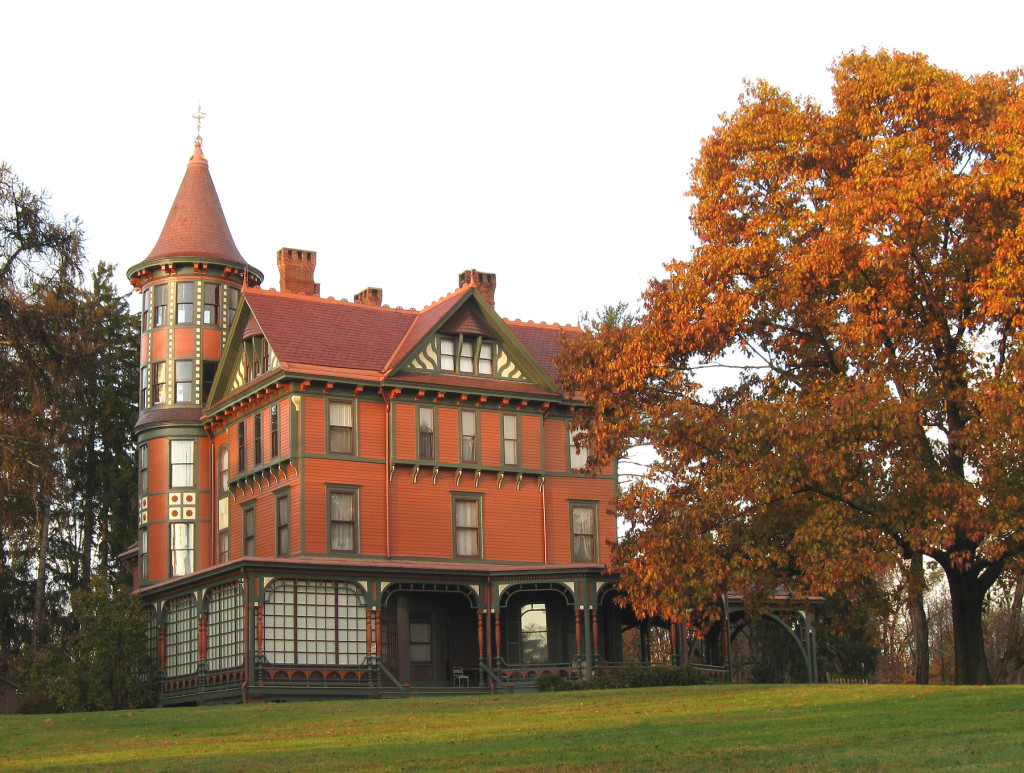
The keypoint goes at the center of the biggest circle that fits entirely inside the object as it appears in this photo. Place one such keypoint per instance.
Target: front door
(422, 648)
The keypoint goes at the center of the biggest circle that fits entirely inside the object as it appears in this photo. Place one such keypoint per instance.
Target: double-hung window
(584, 532)
(283, 518)
(211, 303)
(425, 432)
(159, 305)
(340, 429)
(249, 530)
(147, 307)
(241, 446)
(342, 514)
(467, 528)
(485, 360)
(466, 356)
(510, 440)
(275, 433)
(447, 346)
(183, 463)
(467, 437)
(185, 298)
(144, 554)
(578, 453)
(183, 382)
(158, 383)
(182, 549)
(143, 470)
(257, 439)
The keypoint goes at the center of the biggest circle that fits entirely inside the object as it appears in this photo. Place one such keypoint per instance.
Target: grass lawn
(732, 727)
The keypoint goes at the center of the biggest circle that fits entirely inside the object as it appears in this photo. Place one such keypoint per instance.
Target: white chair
(459, 677)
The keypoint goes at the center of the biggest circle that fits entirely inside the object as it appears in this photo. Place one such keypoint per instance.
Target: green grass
(846, 727)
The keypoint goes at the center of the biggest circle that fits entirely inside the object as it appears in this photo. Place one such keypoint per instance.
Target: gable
(470, 341)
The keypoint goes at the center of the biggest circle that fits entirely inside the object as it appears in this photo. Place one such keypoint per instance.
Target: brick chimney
(296, 268)
(371, 296)
(485, 283)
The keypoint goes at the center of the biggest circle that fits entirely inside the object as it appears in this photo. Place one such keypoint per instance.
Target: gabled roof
(316, 336)
(195, 226)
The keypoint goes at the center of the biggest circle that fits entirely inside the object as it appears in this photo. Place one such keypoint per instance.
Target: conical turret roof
(195, 226)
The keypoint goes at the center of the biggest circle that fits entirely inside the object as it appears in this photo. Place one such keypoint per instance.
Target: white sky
(547, 142)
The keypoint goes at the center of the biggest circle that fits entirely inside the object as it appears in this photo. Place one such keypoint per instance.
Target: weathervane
(199, 115)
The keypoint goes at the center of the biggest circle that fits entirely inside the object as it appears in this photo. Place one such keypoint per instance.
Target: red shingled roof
(308, 333)
(195, 226)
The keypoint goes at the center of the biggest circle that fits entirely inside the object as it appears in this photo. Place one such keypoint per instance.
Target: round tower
(191, 284)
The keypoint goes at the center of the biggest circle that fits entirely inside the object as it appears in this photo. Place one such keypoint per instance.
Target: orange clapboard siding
(158, 345)
(211, 343)
(512, 521)
(370, 420)
(490, 438)
(421, 513)
(529, 431)
(313, 418)
(556, 439)
(184, 342)
(405, 430)
(446, 432)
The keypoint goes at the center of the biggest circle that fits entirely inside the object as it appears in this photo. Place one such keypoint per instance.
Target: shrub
(554, 683)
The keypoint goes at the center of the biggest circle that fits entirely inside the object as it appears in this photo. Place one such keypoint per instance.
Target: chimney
(296, 268)
(485, 283)
(371, 296)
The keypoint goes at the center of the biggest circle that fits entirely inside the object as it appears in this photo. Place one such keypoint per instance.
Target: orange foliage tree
(859, 275)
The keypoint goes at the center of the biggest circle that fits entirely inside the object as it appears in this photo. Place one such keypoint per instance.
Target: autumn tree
(858, 279)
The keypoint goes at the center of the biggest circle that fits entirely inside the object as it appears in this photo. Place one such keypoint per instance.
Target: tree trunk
(966, 594)
(918, 619)
(39, 611)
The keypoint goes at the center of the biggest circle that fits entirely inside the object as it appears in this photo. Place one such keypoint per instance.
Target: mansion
(342, 498)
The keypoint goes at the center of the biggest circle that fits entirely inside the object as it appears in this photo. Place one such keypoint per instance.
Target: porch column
(673, 635)
(376, 619)
(579, 634)
(594, 640)
(480, 645)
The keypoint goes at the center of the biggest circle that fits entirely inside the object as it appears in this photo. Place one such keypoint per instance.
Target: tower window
(183, 381)
(186, 303)
(211, 303)
(159, 305)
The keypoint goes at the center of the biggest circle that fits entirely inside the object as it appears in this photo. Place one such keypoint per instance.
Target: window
(533, 621)
(144, 387)
(211, 303)
(283, 541)
(223, 470)
(249, 531)
(339, 432)
(186, 303)
(447, 354)
(183, 381)
(275, 434)
(420, 647)
(425, 423)
(144, 554)
(509, 440)
(467, 528)
(314, 622)
(466, 356)
(182, 463)
(157, 383)
(182, 549)
(147, 305)
(342, 526)
(232, 297)
(209, 371)
(578, 454)
(223, 541)
(241, 446)
(467, 429)
(485, 362)
(584, 530)
(143, 470)
(257, 439)
(225, 628)
(159, 305)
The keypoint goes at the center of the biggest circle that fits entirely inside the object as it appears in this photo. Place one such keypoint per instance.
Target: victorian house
(342, 498)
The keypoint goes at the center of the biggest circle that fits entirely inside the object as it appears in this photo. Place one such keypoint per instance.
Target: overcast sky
(547, 142)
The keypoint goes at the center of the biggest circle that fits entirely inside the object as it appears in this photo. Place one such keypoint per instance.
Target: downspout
(387, 473)
(248, 665)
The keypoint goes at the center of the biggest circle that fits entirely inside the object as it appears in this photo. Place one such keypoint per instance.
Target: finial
(199, 115)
